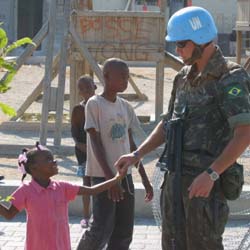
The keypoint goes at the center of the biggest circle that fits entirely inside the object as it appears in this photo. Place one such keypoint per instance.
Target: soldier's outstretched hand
(123, 163)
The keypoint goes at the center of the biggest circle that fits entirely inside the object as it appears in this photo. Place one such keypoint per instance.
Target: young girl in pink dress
(46, 200)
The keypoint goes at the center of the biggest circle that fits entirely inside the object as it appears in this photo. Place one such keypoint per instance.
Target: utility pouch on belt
(232, 181)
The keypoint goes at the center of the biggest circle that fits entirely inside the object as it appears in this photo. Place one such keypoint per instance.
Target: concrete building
(25, 17)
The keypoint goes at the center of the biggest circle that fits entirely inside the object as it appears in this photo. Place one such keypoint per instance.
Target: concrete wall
(109, 4)
(8, 17)
(223, 11)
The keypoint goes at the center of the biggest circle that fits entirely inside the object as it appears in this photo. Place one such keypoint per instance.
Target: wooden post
(174, 5)
(238, 46)
(159, 89)
(62, 75)
(37, 91)
(83, 4)
(160, 65)
(163, 6)
(39, 37)
(128, 5)
(79, 69)
(72, 85)
(173, 61)
(48, 73)
(140, 95)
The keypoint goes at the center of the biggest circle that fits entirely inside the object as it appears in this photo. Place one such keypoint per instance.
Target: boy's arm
(145, 181)
(8, 213)
(115, 192)
(99, 152)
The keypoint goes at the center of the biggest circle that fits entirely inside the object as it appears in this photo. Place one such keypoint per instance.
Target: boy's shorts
(81, 170)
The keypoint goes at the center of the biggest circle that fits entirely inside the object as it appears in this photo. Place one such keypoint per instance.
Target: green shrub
(8, 66)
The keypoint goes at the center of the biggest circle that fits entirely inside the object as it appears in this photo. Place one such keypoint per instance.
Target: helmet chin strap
(197, 53)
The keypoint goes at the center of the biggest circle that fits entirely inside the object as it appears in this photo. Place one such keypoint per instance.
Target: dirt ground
(28, 78)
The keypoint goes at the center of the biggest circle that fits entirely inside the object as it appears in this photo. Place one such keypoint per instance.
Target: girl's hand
(123, 163)
(121, 174)
(115, 193)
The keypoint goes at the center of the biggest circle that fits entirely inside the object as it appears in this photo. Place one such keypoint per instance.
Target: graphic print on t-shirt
(117, 128)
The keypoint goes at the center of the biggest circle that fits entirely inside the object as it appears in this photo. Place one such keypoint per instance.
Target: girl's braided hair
(27, 158)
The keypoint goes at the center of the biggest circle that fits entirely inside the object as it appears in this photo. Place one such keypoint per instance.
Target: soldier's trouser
(113, 222)
(203, 219)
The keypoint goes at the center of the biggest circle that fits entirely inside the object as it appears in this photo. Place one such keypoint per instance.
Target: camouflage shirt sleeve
(235, 97)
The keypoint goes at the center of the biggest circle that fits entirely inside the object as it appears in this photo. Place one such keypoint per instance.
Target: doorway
(30, 17)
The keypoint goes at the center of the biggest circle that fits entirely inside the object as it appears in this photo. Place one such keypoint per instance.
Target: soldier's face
(185, 52)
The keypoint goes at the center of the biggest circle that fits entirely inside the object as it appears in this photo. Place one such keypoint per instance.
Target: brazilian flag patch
(234, 91)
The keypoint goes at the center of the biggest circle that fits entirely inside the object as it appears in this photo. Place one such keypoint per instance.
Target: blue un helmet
(191, 23)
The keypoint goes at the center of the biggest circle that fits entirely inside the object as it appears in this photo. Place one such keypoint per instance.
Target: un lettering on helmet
(191, 23)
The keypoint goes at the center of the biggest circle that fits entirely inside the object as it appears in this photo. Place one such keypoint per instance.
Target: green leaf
(18, 43)
(7, 109)
(5, 81)
(3, 38)
(7, 65)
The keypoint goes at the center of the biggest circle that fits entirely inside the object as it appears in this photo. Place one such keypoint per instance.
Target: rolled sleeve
(240, 119)
(236, 102)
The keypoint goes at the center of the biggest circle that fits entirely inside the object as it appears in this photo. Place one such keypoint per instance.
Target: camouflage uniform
(216, 101)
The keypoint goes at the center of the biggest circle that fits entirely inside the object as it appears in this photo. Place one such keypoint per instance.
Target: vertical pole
(238, 45)
(159, 89)
(62, 74)
(163, 6)
(48, 73)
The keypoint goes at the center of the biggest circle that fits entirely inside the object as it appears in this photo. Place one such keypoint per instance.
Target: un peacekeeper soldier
(215, 96)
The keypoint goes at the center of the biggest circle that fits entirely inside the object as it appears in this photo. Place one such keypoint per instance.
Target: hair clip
(39, 146)
(22, 158)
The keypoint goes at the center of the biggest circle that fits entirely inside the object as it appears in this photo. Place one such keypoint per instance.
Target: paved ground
(146, 234)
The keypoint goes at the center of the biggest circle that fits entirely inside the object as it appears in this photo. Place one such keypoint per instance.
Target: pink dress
(47, 214)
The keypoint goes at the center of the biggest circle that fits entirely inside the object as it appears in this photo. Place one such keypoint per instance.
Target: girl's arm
(96, 189)
(8, 213)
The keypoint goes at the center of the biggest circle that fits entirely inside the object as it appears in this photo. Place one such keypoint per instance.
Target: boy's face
(86, 89)
(116, 78)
